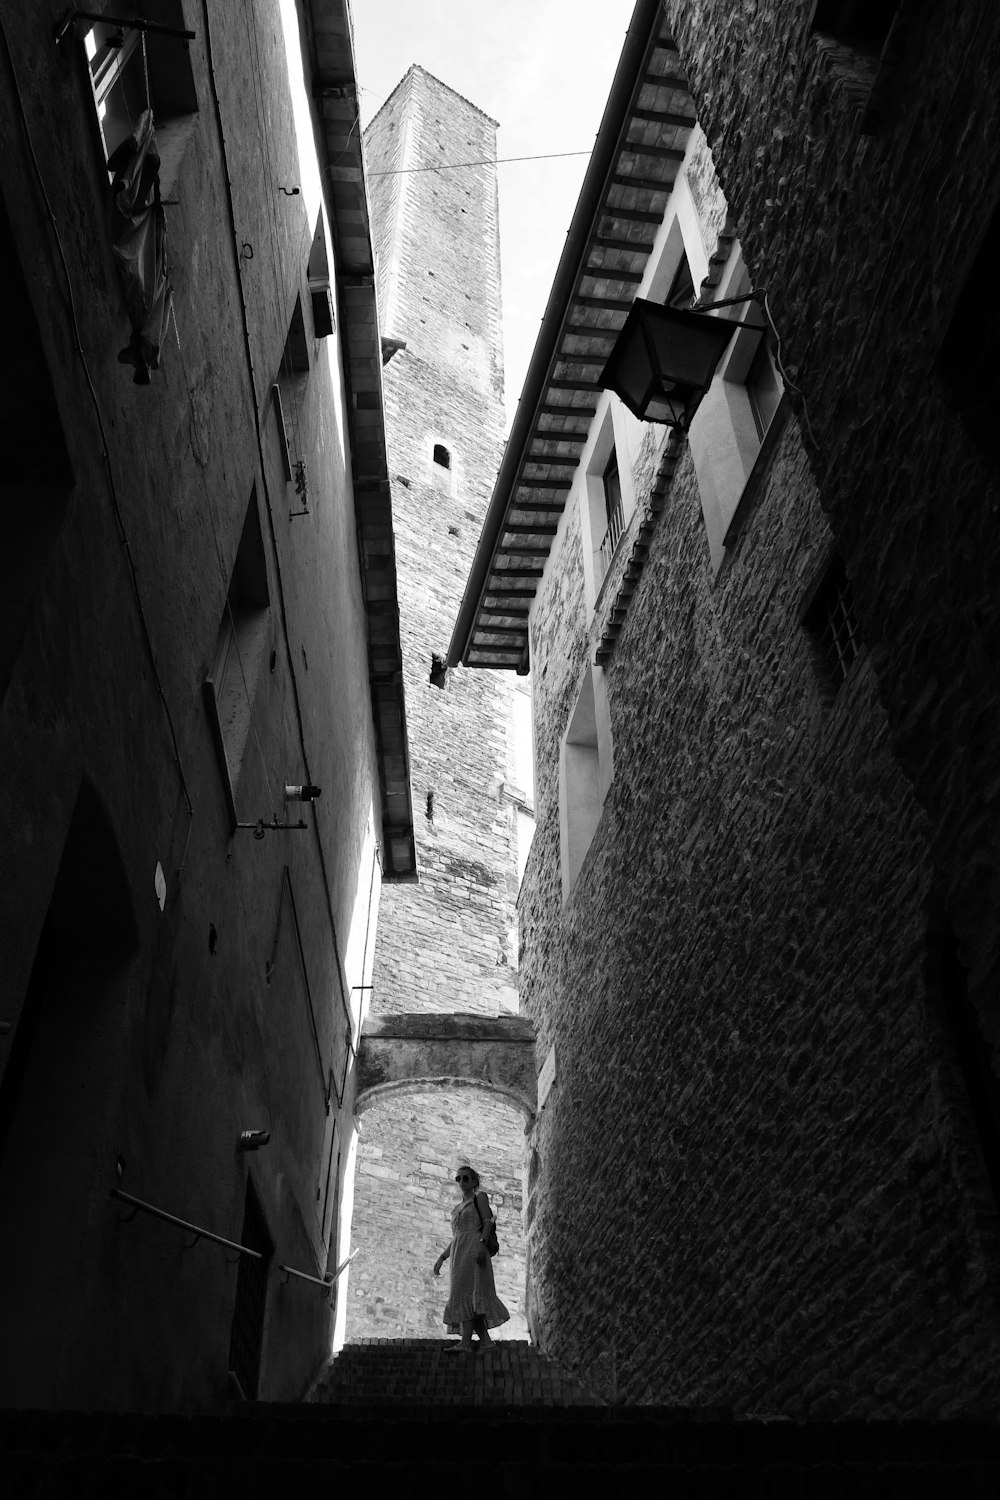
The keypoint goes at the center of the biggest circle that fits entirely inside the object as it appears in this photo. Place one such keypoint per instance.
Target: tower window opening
(863, 26)
(442, 456)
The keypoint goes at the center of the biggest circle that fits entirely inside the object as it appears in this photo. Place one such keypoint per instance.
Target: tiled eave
(335, 91)
(639, 148)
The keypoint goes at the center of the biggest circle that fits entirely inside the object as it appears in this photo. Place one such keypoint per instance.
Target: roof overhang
(641, 143)
(335, 92)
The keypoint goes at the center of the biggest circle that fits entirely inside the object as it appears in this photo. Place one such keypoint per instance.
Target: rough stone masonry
(447, 944)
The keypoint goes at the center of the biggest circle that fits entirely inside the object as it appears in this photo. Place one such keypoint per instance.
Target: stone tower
(447, 943)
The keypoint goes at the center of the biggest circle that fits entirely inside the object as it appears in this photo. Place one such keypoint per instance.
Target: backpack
(491, 1242)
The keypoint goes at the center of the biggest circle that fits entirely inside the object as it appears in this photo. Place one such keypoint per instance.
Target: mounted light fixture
(305, 793)
(664, 360)
(252, 1140)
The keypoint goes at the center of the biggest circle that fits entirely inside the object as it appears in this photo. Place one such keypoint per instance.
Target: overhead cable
(487, 161)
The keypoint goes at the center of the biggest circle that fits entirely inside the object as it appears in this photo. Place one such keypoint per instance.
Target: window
(586, 773)
(118, 76)
(612, 510)
(861, 24)
(320, 292)
(608, 496)
(442, 456)
(289, 392)
(831, 622)
(295, 358)
(523, 765)
(522, 748)
(681, 293)
(968, 361)
(764, 389)
(246, 1339)
(864, 41)
(240, 651)
(737, 413)
(132, 70)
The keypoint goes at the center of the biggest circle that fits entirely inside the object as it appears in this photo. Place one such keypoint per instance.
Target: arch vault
(406, 1051)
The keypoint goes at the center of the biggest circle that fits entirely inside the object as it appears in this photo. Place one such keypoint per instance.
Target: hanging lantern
(664, 361)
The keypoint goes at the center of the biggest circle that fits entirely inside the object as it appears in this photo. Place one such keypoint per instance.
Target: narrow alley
(437, 811)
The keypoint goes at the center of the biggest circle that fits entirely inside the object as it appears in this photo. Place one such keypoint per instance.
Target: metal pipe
(132, 23)
(344, 1264)
(304, 1276)
(323, 1281)
(202, 1234)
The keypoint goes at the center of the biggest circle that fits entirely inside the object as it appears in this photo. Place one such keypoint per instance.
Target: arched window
(442, 456)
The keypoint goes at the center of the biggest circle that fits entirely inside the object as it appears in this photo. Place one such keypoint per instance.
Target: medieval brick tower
(444, 944)
(448, 943)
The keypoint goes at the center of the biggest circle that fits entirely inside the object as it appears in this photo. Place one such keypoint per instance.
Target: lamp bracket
(700, 306)
(704, 307)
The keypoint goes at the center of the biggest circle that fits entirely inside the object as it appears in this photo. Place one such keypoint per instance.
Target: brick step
(602, 1436)
(234, 1478)
(264, 1450)
(394, 1371)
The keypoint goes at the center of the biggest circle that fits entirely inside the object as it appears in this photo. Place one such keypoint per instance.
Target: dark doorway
(247, 1338)
(973, 1054)
(56, 1104)
(967, 359)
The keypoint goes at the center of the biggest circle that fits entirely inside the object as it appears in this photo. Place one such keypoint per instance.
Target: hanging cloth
(138, 237)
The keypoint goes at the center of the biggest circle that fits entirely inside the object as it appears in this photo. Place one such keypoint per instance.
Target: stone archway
(448, 1051)
(412, 1136)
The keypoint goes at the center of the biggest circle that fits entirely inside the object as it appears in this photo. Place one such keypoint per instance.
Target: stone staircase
(409, 1372)
(402, 1419)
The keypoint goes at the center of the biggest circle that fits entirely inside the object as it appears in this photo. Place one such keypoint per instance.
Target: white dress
(472, 1293)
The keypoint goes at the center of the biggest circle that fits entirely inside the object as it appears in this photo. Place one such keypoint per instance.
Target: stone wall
(787, 1203)
(411, 1145)
(864, 233)
(755, 1180)
(225, 1006)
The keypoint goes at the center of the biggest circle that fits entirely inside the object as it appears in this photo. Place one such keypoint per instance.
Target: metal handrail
(323, 1281)
(139, 1205)
(344, 1264)
(199, 1234)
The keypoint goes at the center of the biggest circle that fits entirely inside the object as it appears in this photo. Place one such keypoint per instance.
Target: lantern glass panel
(688, 352)
(664, 360)
(633, 369)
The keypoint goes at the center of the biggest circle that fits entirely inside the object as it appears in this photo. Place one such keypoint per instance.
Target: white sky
(543, 68)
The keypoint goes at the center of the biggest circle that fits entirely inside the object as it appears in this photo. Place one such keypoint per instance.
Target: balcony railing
(613, 535)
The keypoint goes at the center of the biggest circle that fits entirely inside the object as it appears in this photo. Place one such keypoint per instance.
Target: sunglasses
(463, 1177)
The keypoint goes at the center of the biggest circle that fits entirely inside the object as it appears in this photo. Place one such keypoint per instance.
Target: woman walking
(473, 1305)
